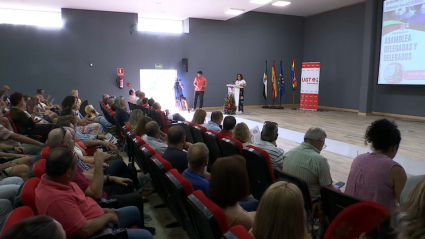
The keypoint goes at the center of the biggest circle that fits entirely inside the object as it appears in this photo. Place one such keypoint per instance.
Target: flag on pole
(281, 83)
(265, 82)
(294, 76)
(274, 82)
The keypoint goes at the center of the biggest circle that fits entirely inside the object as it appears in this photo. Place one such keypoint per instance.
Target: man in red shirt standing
(200, 83)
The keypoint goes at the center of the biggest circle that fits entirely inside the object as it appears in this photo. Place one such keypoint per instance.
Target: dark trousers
(120, 169)
(201, 99)
(129, 199)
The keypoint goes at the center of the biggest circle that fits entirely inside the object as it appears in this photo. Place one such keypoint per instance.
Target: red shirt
(67, 204)
(226, 133)
(200, 82)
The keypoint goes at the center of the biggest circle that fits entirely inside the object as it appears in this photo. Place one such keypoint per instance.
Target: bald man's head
(152, 129)
(197, 156)
(61, 137)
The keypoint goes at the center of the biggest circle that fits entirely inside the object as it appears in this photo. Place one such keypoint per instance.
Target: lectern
(235, 90)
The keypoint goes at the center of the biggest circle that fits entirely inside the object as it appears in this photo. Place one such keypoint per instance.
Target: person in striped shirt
(268, 143)
(305, 162)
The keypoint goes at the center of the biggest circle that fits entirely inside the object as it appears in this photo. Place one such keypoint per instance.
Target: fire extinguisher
(120, 82)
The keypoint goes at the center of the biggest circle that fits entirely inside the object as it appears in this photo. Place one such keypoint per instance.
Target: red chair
(40, 168)
(237, 232)
(160, 119)
(45, 152)
(17, 215)
(231, 146)
(198, 133)
(179, 188)
(210, 220)
(212, 140)
(28, 193)
(259, 170)
(356, 219)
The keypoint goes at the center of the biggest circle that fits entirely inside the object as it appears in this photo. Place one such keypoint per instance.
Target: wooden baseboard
(337, 109)
(411, 117)
(365, 114)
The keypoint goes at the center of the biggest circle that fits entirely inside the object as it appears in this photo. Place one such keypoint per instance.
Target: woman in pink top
(375, 176)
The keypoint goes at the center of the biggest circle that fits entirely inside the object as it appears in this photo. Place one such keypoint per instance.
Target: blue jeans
(104, 122)
(12, 180)
(249, 205)
(128, 217)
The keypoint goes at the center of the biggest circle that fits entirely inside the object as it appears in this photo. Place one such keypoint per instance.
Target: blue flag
(281, 83)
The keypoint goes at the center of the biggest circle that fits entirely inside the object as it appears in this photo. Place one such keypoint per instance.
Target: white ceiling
(180, 9)
(307, 7)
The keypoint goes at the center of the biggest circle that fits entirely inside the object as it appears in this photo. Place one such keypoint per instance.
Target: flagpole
(265, 96)
(293, 101)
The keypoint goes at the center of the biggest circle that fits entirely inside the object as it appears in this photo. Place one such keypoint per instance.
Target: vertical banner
(310, 75)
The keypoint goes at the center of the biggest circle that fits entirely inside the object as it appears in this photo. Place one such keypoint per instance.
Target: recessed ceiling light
(234, 11)
(281, 3)
(260, 1)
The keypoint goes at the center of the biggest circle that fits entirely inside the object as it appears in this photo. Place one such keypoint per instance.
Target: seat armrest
(104, 234)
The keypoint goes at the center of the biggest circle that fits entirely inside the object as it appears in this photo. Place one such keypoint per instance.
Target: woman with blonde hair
(199, 116)
(411, 219)
(75, 94)
(280, 214)
(135, 116)
(242, 133)
(140, 128)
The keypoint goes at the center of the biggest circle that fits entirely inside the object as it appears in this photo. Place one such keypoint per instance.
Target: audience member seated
(151, 101)
(140, 129)
(37, 227)
(88, 140)
(139, 95)
(375, 176)
(229, 123)
(199, 117)
(166, 113)
(145, 101)
(43, 113)
(242, 133)
(132, 96)
(40, 95)
(17, 165)
(229, 185)
(196, 173)
(27, 124)
(31, 146)
(215, 122)
(111, 104)
(9, 188)
(305, 162)
(75, 94)
(175, 153)
(135, 116)
(88, 125)
(95, 184)
(105, 99)
(154, 137)
(121, 114)
(411, 218)
(95, 117)
(57, 196)
(281, 213)
(269, 136)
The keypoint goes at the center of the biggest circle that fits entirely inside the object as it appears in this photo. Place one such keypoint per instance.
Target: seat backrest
(334, 202)
(237, 232)
(17, 215)
(83, 108)
(212, 140)
(40, 168)
(158, 169)
(198, 133)
(15, 129)
(231, 147)
(356, 219)
(301, 184)
(186, 127)
(259, 171)
(28, 193)
(179, 188)
(210, 220)
(45, 152)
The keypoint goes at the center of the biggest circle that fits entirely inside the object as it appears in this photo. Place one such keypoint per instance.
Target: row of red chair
(194, 212)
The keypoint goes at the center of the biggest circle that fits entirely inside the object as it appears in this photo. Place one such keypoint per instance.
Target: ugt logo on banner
(310, 78)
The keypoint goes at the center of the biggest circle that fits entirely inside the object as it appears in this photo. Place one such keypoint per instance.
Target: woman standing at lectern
(242, 84)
